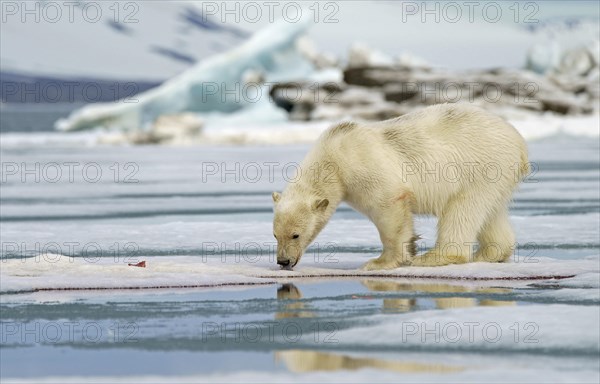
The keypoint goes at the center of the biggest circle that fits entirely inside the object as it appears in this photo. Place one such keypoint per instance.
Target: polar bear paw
(378, 264)
(433, 258)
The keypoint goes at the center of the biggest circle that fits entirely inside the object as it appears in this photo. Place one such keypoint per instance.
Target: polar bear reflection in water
(307, 361)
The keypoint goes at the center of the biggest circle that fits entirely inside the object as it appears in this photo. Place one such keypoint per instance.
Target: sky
(162, 41)
(463, 36)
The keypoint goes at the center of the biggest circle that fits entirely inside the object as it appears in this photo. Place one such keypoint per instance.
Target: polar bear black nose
(283, 263)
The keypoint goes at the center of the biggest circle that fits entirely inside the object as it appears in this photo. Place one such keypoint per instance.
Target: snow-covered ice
(52, 271)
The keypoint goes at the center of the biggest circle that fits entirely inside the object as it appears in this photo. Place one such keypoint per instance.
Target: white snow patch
(527, 327)
(533, 128)
(51, 271)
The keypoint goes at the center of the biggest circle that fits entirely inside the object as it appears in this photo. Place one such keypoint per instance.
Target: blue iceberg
(218, 84)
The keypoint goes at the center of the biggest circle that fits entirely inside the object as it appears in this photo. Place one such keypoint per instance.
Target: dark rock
(400, 92)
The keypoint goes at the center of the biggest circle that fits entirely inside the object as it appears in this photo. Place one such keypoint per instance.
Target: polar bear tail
(524, 167)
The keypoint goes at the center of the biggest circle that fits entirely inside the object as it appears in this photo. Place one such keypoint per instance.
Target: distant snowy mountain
(562, 42)
(565, 32)
(150, 41)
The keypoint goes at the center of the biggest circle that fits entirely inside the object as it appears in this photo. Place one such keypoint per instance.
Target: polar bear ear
(276, 196)
(321, 204)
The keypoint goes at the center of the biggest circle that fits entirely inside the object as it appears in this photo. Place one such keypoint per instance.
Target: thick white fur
(457, 162)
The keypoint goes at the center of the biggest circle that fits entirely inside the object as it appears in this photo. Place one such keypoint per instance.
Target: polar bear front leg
(395, 226)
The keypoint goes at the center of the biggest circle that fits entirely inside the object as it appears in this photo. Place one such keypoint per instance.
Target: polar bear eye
(295, 236)
(274, 235)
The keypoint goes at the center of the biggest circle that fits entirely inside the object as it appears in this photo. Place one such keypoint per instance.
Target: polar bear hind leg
(459, 224)
(496, 239)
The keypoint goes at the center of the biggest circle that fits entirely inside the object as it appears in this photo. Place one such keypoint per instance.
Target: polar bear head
(296, 224)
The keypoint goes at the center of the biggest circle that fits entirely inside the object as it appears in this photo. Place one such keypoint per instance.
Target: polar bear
(455, 161)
